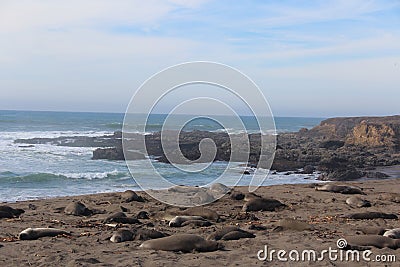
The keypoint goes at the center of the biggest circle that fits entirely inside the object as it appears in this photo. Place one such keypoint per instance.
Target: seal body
(206, 213)
(35, 233)
(230, 233)
(181, 242)
(129, 196)
(262, 204)
(122, 235)
(393, 233)
(370, 215)
(8, 212)
(373, 240)
(178, 220)
(343, 189)
(77, 209)
(358, 202)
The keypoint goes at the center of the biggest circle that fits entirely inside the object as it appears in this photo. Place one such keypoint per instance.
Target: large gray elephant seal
(343, 189)
(77, 209)
(373, 240)
(393, 233)
(178, 220)
(262, 204)
(8, 212)
(123, 235)
(182, 242)
(35, 233)
(355, 201)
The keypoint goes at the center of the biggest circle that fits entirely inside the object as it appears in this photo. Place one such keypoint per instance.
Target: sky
(309, 58)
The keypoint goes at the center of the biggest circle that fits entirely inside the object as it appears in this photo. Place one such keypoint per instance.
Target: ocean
(44, 170)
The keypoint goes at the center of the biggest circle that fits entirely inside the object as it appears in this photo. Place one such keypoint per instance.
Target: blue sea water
(45, 170)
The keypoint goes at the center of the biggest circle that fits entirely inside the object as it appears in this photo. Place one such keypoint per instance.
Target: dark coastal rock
(342, 175)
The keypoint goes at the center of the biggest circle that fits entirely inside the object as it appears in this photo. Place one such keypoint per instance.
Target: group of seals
(183, 243)
(35, 233)
(343, 189)
(8, 212)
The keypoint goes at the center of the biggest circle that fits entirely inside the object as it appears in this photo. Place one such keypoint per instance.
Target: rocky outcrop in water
(340, 148)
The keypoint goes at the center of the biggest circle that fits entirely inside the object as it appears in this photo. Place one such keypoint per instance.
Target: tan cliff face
(363, 131)
(374, 135)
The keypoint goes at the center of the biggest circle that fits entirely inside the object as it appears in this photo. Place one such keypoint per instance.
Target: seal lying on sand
(373, 240)
(206, 213)
(120, 217)
(358, 202)
(393, 233)
(198, 223)
(343, 189)
(371, 230)
(182, 242)
(230, 233)
(262, 204)
(292, 224)
(370, 215)
(123, 235)
(8, 212)
(129, 196)
(178, 220)
(77, 209)
(35, 233)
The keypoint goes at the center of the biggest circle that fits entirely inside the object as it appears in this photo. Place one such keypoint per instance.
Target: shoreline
(90, 242)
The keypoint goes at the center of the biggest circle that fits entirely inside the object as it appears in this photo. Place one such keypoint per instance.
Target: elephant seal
(370, 215)
(343, 189)
(122, 235)
(220, 188)
(371, 230)
(262, 204)
(178, 220)
(373, 240)
(35, 233)
(358, 202)
(77, 209)
(206, 213)
(235, 195)
(120, 217)
(146, 234)
(198, 223)
(393, 233)
(143, 215)
(230, 233)
(250, 196)
(8, 212)
(129, 196)
(292, 224)
(182, 242)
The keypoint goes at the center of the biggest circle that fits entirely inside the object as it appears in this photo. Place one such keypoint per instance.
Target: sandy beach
(89, 242)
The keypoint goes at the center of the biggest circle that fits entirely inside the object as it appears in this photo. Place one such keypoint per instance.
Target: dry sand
(89, 244)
